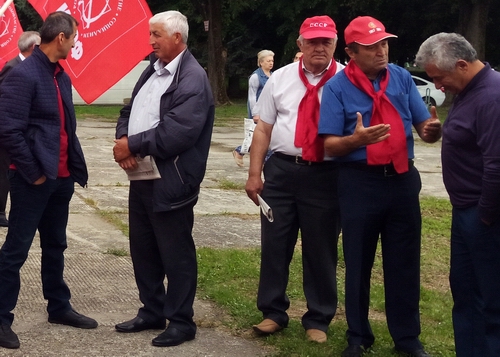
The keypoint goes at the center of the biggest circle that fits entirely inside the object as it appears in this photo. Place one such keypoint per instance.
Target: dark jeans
(302, 198)
(475, 284)
(161, 244)
(44, 207)
(373, 206)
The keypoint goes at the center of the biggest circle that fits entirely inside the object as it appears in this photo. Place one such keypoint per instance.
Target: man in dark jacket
(38, 130)
(169, 121)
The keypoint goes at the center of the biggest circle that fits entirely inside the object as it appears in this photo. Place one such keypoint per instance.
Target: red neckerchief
(393, 149)
(306, 130)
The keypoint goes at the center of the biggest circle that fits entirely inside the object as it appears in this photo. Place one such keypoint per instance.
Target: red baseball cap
(366, 31)
(318, 26)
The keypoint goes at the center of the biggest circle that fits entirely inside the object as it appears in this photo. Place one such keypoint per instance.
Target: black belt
(299, 160)
(385, 170)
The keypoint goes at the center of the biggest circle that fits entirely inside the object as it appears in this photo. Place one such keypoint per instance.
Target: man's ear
(462, 65)
(349, 52)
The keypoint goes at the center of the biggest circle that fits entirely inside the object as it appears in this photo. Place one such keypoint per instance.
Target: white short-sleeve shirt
(279, 103)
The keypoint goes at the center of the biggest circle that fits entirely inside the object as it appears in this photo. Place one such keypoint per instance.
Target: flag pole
(5, 6)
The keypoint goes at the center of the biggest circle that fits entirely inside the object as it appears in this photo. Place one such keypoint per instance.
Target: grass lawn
(230, 278)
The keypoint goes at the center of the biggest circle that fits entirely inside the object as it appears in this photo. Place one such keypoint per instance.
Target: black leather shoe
(73, 318)
(171, 337)
(417, 353)
(137, 324)
(8, 338)
(353, 351)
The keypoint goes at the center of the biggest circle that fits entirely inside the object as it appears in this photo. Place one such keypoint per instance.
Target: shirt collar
(319, 74)
(170, 68)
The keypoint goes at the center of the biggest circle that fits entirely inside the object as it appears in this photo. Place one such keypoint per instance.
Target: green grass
(118, 252)
(225, 116)
(225, 184)
(101, 112)
(230, 277)
(231, 115)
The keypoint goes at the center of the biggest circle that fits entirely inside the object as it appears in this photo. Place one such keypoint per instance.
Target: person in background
(26, 44)
(471, 173)
(367, 114)
(170, 119)
(297, 56)
(300, 185)
(39, 135)
(256, 82)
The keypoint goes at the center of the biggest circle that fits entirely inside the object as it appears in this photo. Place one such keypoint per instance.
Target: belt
(299, 160)
(385, 170)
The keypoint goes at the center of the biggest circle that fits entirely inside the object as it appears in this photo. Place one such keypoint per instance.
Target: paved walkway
(102, 284)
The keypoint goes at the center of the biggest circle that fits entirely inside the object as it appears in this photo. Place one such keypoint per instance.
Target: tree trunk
(472, 23)
(217, 54)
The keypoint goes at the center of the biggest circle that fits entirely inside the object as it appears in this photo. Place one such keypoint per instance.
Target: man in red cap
(366, 118)
(300, 185)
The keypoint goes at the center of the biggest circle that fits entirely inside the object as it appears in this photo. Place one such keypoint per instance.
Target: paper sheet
(145, 170)
(266, 210)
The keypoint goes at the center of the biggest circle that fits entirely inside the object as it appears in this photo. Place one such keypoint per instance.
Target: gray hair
(27, 40)
(263, 54)
(172, 21)
(301, 39)
(444, 50)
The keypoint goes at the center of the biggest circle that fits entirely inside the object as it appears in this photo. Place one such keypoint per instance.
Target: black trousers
(44, 208)
(161, 244)
(302, 198)
(374, 206)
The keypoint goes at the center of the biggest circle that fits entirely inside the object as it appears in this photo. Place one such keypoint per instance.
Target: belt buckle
(304, 162)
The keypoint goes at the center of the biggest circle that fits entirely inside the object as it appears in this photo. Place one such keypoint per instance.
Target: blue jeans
(475, 284)
(44, 207)
(268, 155)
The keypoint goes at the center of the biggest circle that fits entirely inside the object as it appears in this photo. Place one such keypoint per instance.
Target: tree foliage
(239, 29)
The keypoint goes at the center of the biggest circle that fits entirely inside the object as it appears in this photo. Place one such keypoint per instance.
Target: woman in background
(256, 81)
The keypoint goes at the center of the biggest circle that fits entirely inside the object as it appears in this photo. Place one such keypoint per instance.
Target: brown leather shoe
(316, 335)
(267, 327)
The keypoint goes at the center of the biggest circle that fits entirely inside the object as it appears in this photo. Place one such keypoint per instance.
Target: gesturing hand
(371, 134)
(432, 128)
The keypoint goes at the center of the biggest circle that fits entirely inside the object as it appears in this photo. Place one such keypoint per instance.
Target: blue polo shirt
(341, 100)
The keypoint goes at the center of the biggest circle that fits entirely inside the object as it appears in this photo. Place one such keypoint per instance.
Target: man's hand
(362, 136)
(371, 134)
(40, 181)
(121, 150)
(254, 187)
(430, 130)
(128, 163)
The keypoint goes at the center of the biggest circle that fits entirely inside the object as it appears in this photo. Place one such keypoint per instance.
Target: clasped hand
(122, 154)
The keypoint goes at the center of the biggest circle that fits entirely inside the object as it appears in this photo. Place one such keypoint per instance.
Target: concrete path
(103, 285)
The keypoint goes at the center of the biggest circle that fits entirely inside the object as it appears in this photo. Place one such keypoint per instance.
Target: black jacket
(181, 141)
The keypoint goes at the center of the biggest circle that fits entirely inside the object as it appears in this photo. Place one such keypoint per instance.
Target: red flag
(10, 30)
(112, 38)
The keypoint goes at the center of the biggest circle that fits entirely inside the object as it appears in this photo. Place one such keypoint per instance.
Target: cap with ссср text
(318, 26)
(366, 31)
